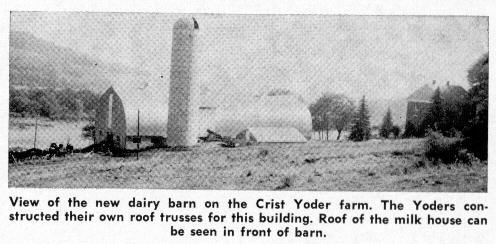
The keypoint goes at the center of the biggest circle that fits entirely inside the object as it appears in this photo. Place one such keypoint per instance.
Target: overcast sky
(380, 57)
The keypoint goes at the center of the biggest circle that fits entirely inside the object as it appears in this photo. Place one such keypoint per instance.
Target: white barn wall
(115, 122)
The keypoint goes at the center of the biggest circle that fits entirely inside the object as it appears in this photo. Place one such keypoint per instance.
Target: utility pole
(139, 139)
(93, 133)
(35, 131)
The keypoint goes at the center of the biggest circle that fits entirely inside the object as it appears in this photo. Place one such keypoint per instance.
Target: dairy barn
(116, 117)
(185, 117)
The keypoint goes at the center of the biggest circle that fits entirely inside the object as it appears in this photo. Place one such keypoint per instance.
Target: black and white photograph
(264, 102)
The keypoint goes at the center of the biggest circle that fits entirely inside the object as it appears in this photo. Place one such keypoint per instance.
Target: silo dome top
(186, 23)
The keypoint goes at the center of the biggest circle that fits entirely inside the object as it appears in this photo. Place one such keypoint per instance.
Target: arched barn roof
(265, 111)
(152, 106)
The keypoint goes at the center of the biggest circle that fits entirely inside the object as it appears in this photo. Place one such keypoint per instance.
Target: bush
(387, 125)
(286, 182)
(88, 131)
(465, 157)
(396, 131)
(447, 150)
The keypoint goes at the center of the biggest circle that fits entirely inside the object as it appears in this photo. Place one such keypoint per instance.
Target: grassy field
(376, 165)
(22, 130)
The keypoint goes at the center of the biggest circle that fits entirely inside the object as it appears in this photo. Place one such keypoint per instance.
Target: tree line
(338, 112)
(464, 117)
(55, 104)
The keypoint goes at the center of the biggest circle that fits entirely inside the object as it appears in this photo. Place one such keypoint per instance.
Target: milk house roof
(272, 135)
(265, 111)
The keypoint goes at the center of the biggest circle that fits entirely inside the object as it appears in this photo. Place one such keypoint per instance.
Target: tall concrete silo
(183, 82)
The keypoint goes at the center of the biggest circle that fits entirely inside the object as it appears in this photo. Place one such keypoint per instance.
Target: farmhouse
(418, 104)
(420, 101)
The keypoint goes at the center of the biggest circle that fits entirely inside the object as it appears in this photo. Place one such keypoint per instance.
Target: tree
(456, 114)
(434, 118)
(341, 113)
(54, 104)
(387, 124)
(360, 130)
(396, 131)
(320, 121)
(18, 102)
(45, 104)
(332, 111)
(477, 129)
(88, 131)
(317, 122)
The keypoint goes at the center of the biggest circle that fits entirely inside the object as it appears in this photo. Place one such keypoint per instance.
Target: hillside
(34, 62)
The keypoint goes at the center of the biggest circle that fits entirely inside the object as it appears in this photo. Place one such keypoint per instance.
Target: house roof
(276, 134)
(425, 93)
(453, 93)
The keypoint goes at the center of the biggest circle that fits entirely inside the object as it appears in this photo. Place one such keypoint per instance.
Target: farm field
(22, 130)
(375, 165)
